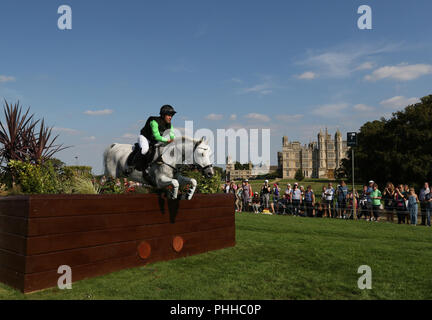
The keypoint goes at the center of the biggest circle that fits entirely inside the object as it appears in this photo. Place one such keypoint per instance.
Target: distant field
(279, 257)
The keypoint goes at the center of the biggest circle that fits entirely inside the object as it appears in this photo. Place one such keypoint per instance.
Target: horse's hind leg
(163, 181)
(185, 180)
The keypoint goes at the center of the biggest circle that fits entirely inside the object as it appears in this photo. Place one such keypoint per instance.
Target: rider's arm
(155, 130)
(172, 136)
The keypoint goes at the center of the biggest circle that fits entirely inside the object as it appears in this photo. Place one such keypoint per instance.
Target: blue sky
(291, 66)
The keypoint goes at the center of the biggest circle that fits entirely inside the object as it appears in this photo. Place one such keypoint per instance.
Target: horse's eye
(202, 154)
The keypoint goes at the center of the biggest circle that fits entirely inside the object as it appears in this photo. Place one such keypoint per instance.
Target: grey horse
(164, 168)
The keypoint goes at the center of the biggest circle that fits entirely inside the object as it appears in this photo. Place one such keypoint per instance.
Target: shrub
(299, 175)
(110, 187)
(33, 178)
(83, 185)
(205, 185)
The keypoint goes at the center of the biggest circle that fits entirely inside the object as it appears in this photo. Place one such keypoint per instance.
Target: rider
(152, 133)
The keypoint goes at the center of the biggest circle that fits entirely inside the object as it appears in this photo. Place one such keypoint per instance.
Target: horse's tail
(105, 160)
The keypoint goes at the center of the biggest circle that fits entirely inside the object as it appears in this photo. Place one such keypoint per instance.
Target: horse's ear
(203, 139)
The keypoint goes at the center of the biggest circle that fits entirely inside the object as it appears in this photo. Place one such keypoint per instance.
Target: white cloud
(330, 110)
(308, 75)
(233, 117)
(98, 112)
(129, 136)
(257, 116)
(343, 60)
(214, 116)
(398, 102)
(365, 66)
(363, 108)
(263, 88)
(4, 79)
(403, 72)
(91, 138)
(66, 130)
(289, 117)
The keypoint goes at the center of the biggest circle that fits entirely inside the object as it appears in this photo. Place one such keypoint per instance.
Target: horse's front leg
(164, 181)
(185, 180)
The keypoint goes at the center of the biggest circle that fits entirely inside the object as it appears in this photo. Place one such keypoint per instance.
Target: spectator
(288, 199)
(266, 194)
(350, 204)
(399, 199)
(323, 200)
(364, 204)
(275, 192)
(342, 195)
(296, 200)
(256, 203)
(423, 202)
(319, 210)
(406, 192)
(226, 187)
(239, 198)
(412, 206)
(388, 196)
(428, 200)
(376, 196)
(302, 206)
(246, 194)
(309, 200)
(369, 200)
(328, 195)
(233, 188)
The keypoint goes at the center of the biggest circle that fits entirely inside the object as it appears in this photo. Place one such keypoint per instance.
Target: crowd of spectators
(371, 204)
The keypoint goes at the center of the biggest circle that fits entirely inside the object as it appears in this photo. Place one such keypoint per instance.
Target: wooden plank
(12, 278)
(60, 225)
(12, 260)
(75, 257)
(44, 244)
(14, 225)
(160, 246)
(14, 206)
(60, 205)
(13, 242)
(42, 280)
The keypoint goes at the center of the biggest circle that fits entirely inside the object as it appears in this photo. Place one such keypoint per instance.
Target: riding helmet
(167, 110)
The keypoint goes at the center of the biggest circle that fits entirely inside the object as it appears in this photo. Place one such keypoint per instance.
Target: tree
(398, 149)
(299, 175)
(21, 140)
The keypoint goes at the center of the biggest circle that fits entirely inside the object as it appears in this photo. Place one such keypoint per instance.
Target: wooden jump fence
(99, 234)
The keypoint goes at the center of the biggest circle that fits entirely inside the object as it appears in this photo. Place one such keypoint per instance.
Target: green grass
(278, 257)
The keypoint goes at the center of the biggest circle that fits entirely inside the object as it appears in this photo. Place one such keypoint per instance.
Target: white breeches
(143, 143)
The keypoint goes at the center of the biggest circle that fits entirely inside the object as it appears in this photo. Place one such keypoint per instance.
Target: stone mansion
(318, 159)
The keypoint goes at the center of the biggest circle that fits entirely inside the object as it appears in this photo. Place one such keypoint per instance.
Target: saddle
(139, 161)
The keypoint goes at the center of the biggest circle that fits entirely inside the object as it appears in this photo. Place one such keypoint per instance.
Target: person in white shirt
(328, 194)
(296, 200)
(288, 195)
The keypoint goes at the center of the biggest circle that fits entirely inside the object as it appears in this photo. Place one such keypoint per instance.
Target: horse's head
(201, 155)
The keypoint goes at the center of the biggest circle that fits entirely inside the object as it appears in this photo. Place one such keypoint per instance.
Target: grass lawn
(279, 257)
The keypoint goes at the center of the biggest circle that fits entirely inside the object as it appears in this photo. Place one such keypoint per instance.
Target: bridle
(191, 166)
(198, 166)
